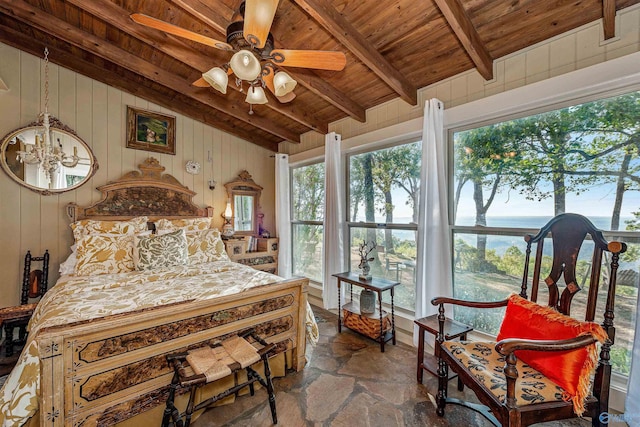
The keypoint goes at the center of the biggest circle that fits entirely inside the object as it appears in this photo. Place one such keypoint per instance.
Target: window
(307, 216)
(383, 207)
(511, 177)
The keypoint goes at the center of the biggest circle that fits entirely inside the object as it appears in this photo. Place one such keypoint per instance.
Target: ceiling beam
(461, 25)
(609, 18)
(341, 29)
(327, 92)
(32, 16)
(130, 83)
(177, 49)
(216, 19)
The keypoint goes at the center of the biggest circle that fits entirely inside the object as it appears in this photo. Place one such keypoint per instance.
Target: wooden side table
(376, 285)
(452, 330)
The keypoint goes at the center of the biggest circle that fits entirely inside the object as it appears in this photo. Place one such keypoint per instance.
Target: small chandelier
(247, 68)
(254, 65)
(45, 152)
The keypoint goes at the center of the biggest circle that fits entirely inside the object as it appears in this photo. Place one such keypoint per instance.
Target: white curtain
(632, 404)
(433, 263)
(283, 215)
(332, 240)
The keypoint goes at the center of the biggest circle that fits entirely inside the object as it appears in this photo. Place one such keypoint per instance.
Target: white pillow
(69, 265)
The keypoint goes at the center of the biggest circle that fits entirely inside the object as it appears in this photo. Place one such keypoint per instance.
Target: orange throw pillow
(570, 369)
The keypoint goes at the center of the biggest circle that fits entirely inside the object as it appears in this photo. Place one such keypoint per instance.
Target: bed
(95, 354)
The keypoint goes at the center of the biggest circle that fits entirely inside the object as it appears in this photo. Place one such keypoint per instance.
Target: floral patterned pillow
(206, 246)
(104, 254)
(86, 227)
(157, 251)
(164, 226)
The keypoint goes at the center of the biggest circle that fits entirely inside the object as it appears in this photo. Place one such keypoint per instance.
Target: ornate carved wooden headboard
(146, 192)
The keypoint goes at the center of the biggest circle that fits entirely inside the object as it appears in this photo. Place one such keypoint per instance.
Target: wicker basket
(366, 325)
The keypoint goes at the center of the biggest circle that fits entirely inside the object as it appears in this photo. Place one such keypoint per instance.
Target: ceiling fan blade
(318, 59)
(267, 77)
(200, 83)
(287, 98)
(258, 17)
(157, 24)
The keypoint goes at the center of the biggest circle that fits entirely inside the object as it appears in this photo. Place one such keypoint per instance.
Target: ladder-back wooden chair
(34, 285)
(541, 366)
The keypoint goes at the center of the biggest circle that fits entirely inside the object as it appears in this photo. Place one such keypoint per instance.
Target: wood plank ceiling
(393, 47)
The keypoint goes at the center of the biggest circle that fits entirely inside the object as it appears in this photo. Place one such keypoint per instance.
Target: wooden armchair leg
(443, 369)
(8, 340)
(443, 382)
(22, 334)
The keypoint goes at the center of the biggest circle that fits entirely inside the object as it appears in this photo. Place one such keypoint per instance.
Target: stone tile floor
(350, 383)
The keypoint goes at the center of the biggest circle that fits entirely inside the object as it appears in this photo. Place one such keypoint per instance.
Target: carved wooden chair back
(34, 286)
(568, 234)
(34, 282)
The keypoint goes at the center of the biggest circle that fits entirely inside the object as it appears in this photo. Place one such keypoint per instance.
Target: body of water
(601, 222)
(500, 244)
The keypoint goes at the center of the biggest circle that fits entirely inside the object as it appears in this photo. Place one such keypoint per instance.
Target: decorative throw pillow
(156, 251)
(89, 226)
(104, 254)
(570, 369)
(187, 224)
(206, 246)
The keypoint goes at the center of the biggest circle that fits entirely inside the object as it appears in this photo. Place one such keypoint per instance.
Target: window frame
(349, 225)
(549, 95)
(294, 222)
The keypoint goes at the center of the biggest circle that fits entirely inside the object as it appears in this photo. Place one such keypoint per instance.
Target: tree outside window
(519, 173)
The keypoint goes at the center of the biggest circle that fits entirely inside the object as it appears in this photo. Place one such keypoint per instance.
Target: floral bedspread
(79, 298)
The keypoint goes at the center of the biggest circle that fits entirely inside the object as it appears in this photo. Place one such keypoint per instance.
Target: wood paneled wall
(97, 112)
(571, 51)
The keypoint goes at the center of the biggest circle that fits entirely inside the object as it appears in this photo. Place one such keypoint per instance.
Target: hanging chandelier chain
(46, 80)
(43, 151)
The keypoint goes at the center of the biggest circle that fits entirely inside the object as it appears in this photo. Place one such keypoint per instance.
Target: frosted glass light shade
(217, 78)
(245, 65)
(283, 83)
(228, 213)
(256, 95)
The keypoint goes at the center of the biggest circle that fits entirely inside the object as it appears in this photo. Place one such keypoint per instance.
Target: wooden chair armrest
(509, 345)
(475, 304)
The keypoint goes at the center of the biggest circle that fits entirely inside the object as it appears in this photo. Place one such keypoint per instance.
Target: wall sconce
(227, 227)
(212, 184)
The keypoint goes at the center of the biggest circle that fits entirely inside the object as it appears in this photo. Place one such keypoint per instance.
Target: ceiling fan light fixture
(217, 78)
(256, 95)
(283, 83)
(245, 65)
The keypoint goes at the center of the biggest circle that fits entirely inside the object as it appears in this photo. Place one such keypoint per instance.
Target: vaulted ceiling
(393, 47)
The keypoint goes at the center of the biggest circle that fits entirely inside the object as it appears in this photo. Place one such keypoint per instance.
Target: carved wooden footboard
(102, 371)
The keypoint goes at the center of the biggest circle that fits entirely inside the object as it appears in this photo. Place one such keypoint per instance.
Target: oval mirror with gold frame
(58, 162)
(244, 195)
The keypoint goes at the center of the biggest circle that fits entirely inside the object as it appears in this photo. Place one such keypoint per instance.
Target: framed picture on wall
(151, 131)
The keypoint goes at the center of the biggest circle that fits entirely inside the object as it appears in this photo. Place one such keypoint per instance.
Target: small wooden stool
(209, 363)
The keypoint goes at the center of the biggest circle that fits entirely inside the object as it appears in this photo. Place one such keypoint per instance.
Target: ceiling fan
(255, 60)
